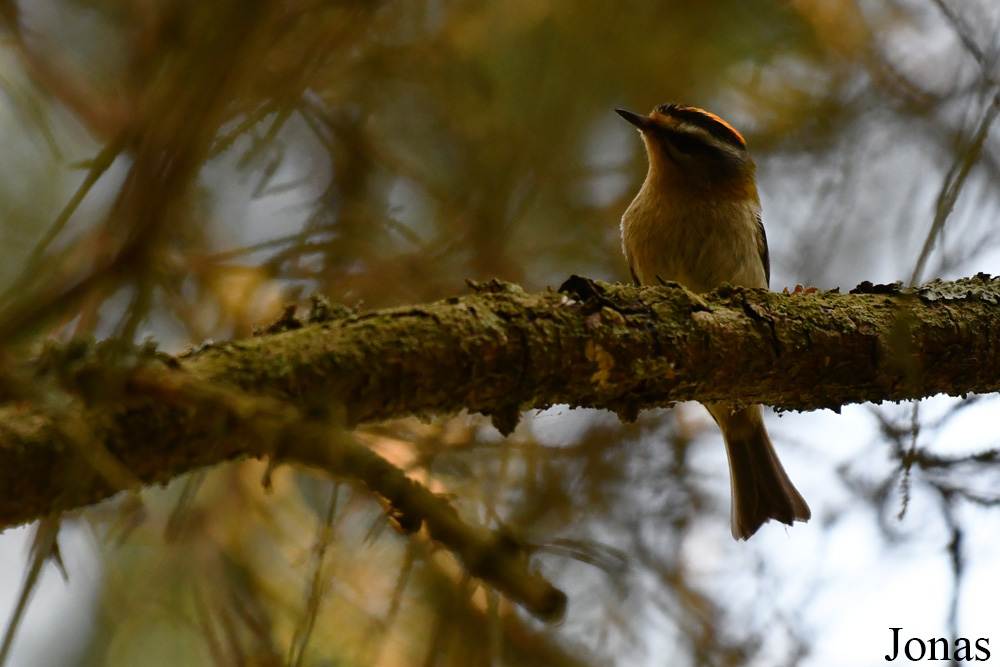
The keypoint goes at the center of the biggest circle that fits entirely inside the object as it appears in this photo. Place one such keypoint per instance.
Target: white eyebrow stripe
(709, 138)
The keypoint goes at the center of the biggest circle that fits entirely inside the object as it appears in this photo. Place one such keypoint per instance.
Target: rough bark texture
(623, 348)
(125, 420)
(500, 351)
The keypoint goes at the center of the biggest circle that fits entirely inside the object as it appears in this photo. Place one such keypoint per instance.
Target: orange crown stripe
(718, 120)
(706, 120)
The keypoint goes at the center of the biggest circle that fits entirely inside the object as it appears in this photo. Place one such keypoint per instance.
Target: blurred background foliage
(178, 169)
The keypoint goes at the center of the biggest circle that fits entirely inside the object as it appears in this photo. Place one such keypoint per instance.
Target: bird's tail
(761, 490)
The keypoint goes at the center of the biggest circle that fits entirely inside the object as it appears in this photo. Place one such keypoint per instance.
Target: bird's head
(695, 149)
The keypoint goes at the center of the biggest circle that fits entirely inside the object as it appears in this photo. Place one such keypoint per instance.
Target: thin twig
(276, 429)
(954, 182)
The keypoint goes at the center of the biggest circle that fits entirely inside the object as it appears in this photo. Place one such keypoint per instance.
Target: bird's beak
(642, 122)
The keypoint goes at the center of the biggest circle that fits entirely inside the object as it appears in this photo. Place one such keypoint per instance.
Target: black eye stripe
(689, 143)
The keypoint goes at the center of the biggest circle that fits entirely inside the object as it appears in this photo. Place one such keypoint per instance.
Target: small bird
(696, 221)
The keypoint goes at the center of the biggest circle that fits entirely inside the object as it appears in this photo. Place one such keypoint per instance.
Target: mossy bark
(499, 351)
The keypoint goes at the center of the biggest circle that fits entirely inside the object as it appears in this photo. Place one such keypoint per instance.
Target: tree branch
(501, 350)
(498, 351)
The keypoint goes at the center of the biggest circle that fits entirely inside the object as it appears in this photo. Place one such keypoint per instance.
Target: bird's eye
(685, 143)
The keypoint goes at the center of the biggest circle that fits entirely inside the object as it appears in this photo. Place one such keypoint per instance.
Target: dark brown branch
(498, 351)
(622, 348)
(207, 421)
